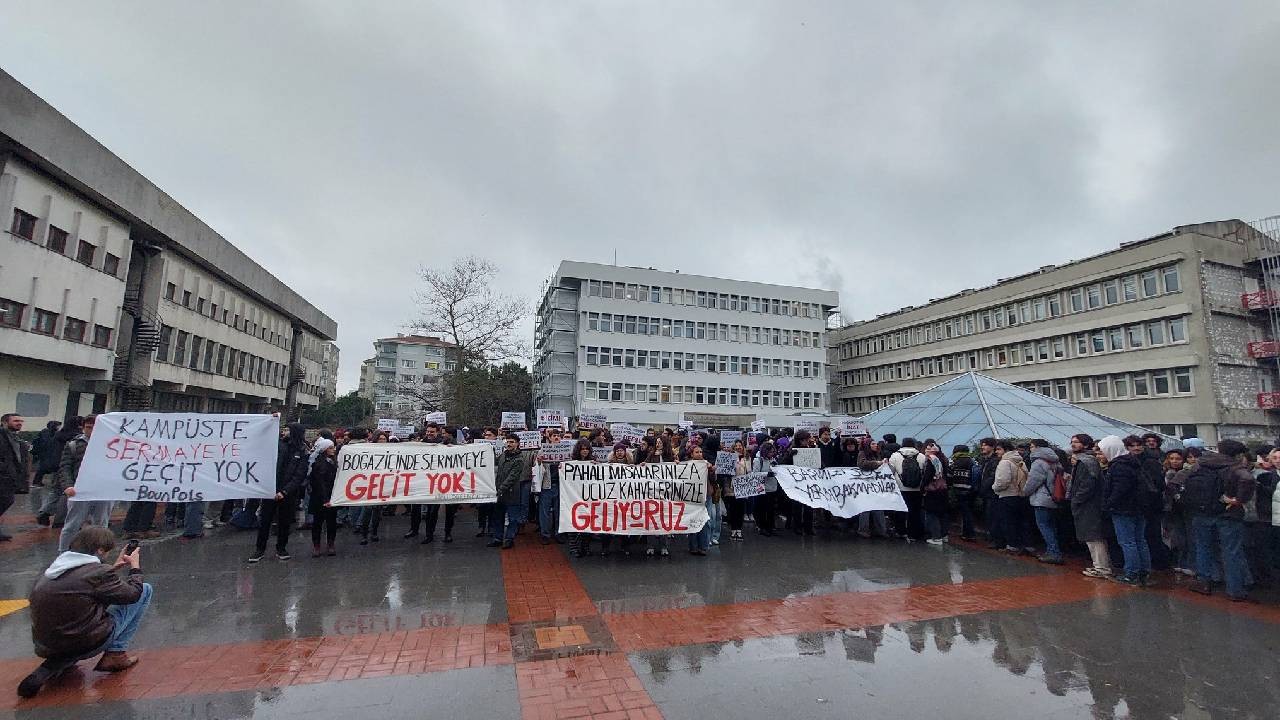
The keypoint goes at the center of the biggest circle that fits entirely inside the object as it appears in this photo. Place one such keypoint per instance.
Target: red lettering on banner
(581, 516)
(359, 492)
(113, 453)
(679, 516)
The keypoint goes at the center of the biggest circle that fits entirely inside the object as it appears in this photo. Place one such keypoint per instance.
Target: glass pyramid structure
(965, 409)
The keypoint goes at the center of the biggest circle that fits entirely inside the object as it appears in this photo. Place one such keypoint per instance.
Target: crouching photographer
(83, 607)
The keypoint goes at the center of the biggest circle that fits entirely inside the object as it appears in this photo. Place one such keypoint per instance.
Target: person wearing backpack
(1045, 475)
(961, 478)
(1217, 492)
(1011, 478)
(1127, 500)
(908, 465)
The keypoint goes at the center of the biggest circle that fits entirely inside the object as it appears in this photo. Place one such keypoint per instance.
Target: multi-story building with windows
(400, 377)
(114, 296)
(1174, 332)
(645, 345)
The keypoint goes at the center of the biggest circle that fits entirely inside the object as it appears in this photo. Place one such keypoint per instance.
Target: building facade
(403, 375)
(114, 296)
(643, 345)
(1174, 333)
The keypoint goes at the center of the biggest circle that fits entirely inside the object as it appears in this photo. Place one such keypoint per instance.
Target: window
(1042, 350)
(1149, 285)
(208, 355)
(1140, 385)
(1101, 386)
(408, 363)
(1160, 382)
(166, 337)
(180, 349)
(73, 330)
(1155, 333)
(24, 224)
(186, 298)
(1182, 380)
(43, 321)
(1178, 330)
(1094, 296)
(1116, 336)
(197, 343)
(170, 290)
(1077, 299)
(11, 313)
(1059, 348)
(1060, 389)
(1135, 336)
(1055, 305)
(1121, 385)
(84, 253)
(1082, 344)
(1085, 388)
(1111, 292)
(1130, 283)
(101, 336)
(1172, 283)
(57, 241)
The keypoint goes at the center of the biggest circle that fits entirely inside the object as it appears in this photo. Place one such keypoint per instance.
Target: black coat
(830, 453)
(1126, 492)
(323, 472)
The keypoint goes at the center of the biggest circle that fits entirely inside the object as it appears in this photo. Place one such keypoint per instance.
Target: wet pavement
(768, 627)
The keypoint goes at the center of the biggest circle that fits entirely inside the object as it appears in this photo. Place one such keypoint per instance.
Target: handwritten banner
(758, 425)
(601, 454)
(844, 492)
(180, 457)
(530, 439)
(809, 425)
(437, 417)
(388, 424)
(647, 499)
(749, 485)
(550, 418)
(807, 457)
(729, 437)
(726, 463)
(514, 421)
(591, 420)
(622, 432)
(556, 451)
(390, 473)
(850, 427)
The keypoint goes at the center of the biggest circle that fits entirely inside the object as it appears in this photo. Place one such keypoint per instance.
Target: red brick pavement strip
(198, 669)
(541, 585)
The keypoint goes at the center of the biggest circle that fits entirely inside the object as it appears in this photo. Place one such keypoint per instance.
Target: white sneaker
(934, 541)
(208, 524)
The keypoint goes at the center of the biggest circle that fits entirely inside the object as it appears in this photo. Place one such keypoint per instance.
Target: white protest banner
(648, 499)
(601, 454)
(844, 492)
(726, 463)
(729, 437)
(530, 439)
(623, 432)
(810, 425)
(850, 427)
(514, 421)
(758, 425)
(556, 451)
(590, 419)
(404, 432)
(437, 417)
(749, 485)
(550, 418)
(388, 424)
(686, 424)
(179, 457)
(391, 473)
(807, 457)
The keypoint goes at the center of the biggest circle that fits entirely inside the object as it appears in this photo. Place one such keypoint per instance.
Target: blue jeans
(701, 540)
(1131, 533)
(193, 524)
(549, 511)
(512, 514)
(1230, 538)
(1047, 522)
(96, 512)
(127, 618)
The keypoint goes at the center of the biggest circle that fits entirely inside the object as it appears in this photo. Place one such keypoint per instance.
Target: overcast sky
(343, 145)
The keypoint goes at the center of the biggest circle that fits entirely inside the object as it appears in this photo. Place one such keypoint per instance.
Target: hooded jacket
(1237, 482)
(69, 604)
(1126, 491)
(291, 465)
(321, 476)
(902, 456)
(508, 472)
(1011, 476)
(72, 455)
(1044, 466)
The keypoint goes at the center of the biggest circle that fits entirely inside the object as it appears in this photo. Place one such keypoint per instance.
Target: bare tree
(461, 305)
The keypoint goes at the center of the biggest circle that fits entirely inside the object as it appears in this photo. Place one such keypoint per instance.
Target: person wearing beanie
(324, 469)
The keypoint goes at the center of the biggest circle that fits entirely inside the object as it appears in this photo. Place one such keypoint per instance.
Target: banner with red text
(179, 457)
(390, 473)
(618, 499)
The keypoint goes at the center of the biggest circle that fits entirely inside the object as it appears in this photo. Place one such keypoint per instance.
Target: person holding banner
(95, 512)
(291, 473)
(321, 476)
(658, 452)
(736, 506)
(580, 544)
(700, 541)
(369, 519)
(484, 511)
(799, 515)
(548, 490)
(765, 505)
(509, 508)
(434, 436)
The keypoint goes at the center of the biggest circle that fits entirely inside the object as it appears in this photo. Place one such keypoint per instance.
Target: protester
(700, 541)
(15, 462)
(799, 515)
(434, 436)
(508, 511)
(1086, 496)
(961, 478)
(1257, 519)
(933, 502)
(1010, 479)
(291, 473)
(320, 478)
(81, 608)
(46, 452)
(548, 490)
(95, 512)
(764, 504)
(909, 467)
(988, 461)
(54, 508)
(1217, 492)
(1127, 500)
(735, 506)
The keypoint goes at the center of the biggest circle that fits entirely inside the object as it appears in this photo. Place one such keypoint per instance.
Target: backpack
(1203, 490)
(912, 475)
(1059, 489)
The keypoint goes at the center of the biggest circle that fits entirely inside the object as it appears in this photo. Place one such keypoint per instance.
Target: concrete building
(643, 345)
(1175, 333)
(401, 375)
(114, 296)
(328, 372)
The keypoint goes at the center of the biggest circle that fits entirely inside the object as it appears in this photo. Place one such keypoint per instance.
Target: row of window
(181, 348)
(1127, 288)
(701, 298)
(223, 315)
(410, 364)
(45, 322)
(24, 226)
(1171, 331)
(699, 362)
(1169, 382)
(698, 395)
(691, 330)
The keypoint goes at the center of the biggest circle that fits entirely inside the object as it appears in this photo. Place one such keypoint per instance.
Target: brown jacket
(69, 612)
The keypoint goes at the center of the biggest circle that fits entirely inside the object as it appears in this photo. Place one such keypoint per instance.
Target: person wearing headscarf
(291, 473)
(324, 469)
(1127, 502)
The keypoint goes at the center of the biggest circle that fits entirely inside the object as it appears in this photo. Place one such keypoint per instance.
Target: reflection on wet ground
(1137, 655)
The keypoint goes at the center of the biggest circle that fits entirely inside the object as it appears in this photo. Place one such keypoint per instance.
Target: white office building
(649, 346)
(403, 372)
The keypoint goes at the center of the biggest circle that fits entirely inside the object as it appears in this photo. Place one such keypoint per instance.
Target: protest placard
(618, 499)
(391, 473)
(758, 425)
(591, 419)
(623, 432)
(437, 417)
(850, 427)
(809, 425)
(514, 421)
(749, 485)
(179, 457)
(729, 437)
(726, 463)
(550, 418)
(556, 451)
(686, 424)
(388, 424)
(844, 492)
(601, 454)
(530, 439)
(404, 432)
(807, 457)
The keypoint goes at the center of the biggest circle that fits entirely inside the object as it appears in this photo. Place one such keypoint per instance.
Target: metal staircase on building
(134, 394)
(1264, 249)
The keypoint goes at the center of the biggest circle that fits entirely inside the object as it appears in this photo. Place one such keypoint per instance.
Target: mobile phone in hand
(130, 547)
